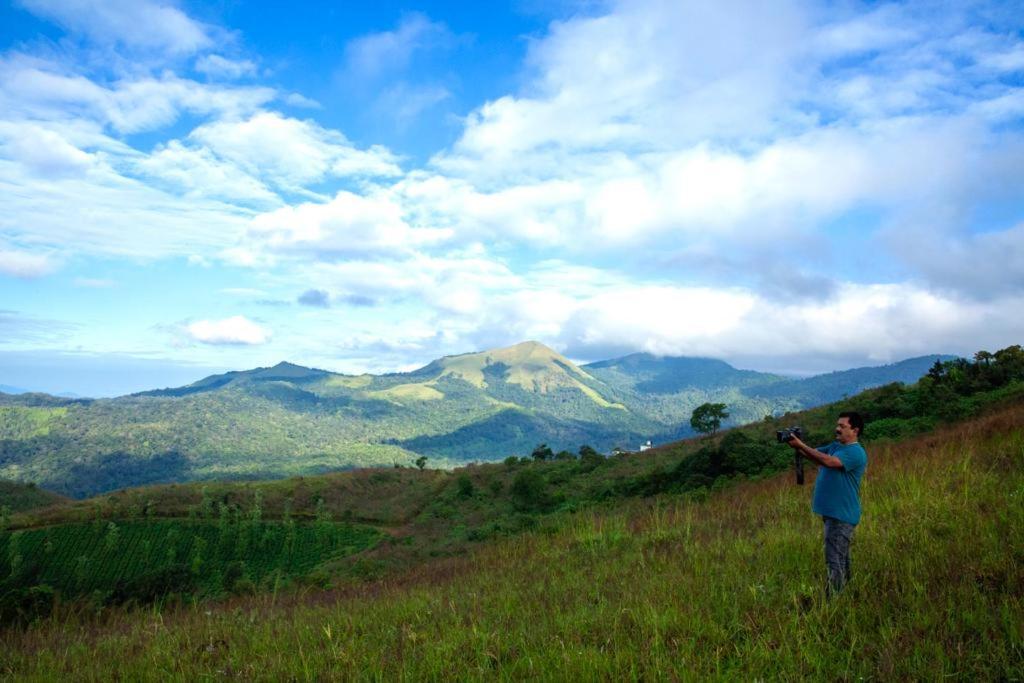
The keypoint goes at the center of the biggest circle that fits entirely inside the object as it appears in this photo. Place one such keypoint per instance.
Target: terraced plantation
(145, 560)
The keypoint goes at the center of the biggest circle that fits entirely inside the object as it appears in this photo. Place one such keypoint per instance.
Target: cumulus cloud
(196, 171)
(892, 322)
(459, 284)
(347, 226)
(290, 152)
(234, 330)
(140, 24)
(42, 152)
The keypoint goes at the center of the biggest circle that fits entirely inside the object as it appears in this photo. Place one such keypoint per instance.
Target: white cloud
(455, 284)
(197, 172)
(296, 100)
(290, 152)
(25, 264)
(646, 73)
(348, 225)
(403, 102)
(132, 23)
(889, 322)
(883, 28)
(106, 213)
(222, 67)
(42, 152)
(373, 55)
(38, 89)
(234, 330)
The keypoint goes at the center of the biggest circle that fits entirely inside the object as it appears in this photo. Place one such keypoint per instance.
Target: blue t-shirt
(836, 491)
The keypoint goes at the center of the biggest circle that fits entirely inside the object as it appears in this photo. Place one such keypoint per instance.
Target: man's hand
(815, 455)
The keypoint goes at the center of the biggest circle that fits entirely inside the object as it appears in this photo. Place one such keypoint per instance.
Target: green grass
(656, 589)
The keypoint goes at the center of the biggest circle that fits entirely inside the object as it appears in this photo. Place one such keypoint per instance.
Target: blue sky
(791, 186)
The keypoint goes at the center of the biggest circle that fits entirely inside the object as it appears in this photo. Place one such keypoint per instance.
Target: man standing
(837, 493)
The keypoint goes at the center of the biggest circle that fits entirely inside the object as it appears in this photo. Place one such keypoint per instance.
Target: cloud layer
(725, 179)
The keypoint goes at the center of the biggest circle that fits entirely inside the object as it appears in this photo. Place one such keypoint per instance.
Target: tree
(708, 417)
(937, 371)
(542, 452)
(421, 461)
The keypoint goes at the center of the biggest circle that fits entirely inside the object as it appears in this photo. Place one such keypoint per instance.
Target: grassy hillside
(18, 497)
(655, 588)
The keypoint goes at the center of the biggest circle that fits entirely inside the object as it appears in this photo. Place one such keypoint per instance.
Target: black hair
(856, 421)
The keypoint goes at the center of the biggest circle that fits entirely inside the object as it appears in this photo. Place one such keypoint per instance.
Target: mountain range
(289, 419)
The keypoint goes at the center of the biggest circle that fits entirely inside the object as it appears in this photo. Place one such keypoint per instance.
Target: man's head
(849, 426)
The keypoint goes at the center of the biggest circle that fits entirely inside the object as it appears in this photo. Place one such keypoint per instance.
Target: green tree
(542, 452)
(421, 461)
(708, 417)
(590, 459)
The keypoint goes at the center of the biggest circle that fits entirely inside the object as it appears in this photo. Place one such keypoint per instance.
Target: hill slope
(288, 419)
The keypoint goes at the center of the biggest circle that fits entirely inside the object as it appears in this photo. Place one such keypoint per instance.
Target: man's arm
(814, 454)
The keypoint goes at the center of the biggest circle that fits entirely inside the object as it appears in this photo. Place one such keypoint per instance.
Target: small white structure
(646, 446)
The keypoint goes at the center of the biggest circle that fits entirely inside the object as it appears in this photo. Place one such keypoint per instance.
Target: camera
(785, 436)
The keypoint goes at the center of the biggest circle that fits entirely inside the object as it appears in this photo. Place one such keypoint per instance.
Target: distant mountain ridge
(289, 419)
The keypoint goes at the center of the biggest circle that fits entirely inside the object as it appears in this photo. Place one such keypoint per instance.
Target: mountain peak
(530, 364)
(285, 370)
(285, 365)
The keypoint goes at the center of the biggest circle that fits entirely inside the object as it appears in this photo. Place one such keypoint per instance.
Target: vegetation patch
(144, 560)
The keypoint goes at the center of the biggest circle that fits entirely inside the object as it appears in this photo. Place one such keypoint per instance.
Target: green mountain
(289, 420)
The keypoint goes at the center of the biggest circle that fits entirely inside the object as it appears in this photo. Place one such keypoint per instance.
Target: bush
(464, 487)
(529, 491)
(24, 605)
(151, 586)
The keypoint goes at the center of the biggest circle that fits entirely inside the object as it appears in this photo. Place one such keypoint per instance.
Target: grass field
(657, 589)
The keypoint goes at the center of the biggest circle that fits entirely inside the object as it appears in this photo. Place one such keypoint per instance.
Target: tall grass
(655, 589)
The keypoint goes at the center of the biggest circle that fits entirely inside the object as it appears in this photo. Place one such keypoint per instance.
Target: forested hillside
(287, 419)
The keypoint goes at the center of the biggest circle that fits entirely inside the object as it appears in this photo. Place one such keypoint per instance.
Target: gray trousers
(838, 536)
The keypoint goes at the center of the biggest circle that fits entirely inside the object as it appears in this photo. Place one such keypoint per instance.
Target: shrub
(24, 605)
(464, 487)
(529, 491)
